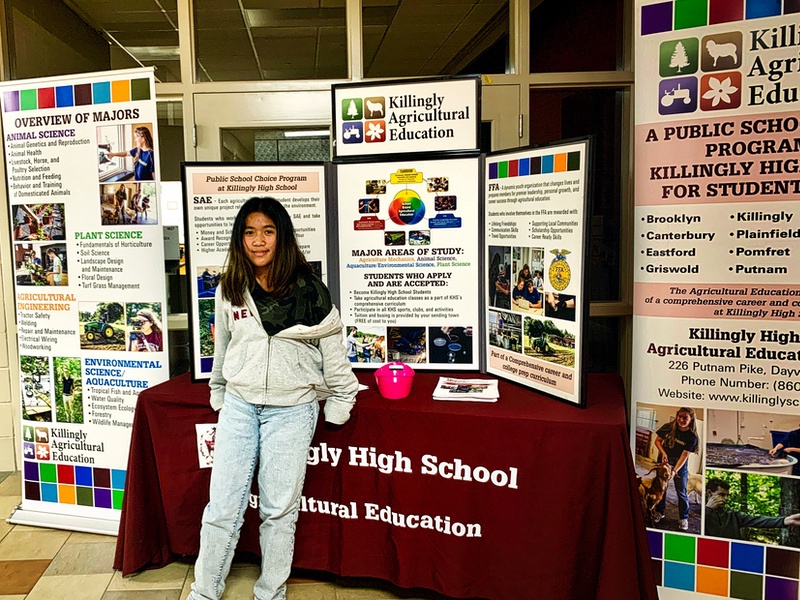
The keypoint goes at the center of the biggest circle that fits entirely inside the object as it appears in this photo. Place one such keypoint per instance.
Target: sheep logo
(721, 51)
(375, 107)
(717, 51)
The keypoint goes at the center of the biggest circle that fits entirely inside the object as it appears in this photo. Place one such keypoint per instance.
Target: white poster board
(408, 261)
(398, 117)
(536, 219)
(89, 284)
(213, 194)
(717, 286)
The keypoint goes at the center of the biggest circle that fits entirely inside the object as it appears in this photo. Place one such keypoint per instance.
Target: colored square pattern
(70, 484)
(140, 89)
(657, 18)
(712, 581)
(679, 576)
(66, 474)
(101, 92)
(680, 548)
(725, 11)
(661, 17)
(780, 589)
(746, 586)
(724, 569)
(64, 96)
(11, 101)
(759, 9)
(46, 98)
(784, 563)
(747, 557)
(690, 13)
(655, 539)
(84, 94)
(120, 91)
(712, 553)
(28, 99)
(536, 165)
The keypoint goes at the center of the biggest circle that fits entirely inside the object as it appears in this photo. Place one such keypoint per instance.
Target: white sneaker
(657, 516)
(683, 524)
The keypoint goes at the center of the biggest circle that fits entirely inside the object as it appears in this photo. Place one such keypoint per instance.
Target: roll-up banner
(82, 174)
(213, 194)
(716, 350)
(536, 215)
(409, 261)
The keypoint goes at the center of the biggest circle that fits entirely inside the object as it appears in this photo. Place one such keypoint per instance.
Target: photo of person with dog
(128, 204)
(755, 508)
(668, 450)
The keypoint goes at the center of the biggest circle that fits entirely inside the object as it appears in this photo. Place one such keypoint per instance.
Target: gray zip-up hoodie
(295, 366)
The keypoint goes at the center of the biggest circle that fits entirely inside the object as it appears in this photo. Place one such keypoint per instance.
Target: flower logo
(376, 131)
(721, 91)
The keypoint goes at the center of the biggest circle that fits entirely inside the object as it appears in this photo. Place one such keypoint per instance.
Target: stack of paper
(466, 390)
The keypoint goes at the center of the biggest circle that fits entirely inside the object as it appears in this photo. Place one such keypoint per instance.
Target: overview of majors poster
(535, 232)
(213, 194)
(716, 384)
(408, 261)
(82, 170)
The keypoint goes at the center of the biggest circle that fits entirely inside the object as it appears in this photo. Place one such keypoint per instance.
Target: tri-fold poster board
(445, 259)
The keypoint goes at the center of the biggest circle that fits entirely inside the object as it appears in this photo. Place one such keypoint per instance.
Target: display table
(556, 516)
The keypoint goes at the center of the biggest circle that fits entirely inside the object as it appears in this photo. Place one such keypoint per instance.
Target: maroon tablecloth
(570, 528)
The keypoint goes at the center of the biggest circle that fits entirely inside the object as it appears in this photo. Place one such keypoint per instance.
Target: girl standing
(278, 343)
(676, 441)
(144, 164)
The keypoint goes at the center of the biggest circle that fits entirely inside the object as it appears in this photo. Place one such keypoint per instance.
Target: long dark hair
(669, 439)
(287, 265)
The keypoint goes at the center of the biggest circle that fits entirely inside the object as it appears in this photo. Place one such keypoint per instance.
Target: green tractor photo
(98, 330)
(102, 325)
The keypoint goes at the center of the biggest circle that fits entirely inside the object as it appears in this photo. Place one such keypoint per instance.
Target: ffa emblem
(559, 273)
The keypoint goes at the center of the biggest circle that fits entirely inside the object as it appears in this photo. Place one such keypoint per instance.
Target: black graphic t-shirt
(684, 440)
(308, 303)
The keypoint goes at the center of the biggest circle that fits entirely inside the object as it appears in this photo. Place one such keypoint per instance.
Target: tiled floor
(48, 564)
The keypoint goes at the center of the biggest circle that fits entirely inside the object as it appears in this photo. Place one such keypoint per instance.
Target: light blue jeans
(278, 439)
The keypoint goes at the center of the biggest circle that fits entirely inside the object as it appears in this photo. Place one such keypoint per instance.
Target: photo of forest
(754, 495)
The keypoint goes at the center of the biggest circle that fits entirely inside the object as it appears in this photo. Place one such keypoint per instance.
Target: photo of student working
(743, 506)
(527, 293)
(137, 153)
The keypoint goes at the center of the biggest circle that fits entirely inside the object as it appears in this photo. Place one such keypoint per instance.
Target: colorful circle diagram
(406, 208)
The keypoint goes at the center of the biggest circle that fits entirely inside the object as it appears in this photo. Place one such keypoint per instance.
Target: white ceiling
(301, 39)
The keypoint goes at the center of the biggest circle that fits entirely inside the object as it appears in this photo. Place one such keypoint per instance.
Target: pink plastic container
(394, 380)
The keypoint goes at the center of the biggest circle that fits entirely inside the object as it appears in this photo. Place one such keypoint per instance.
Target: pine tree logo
(352, 109)
(678, 57)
